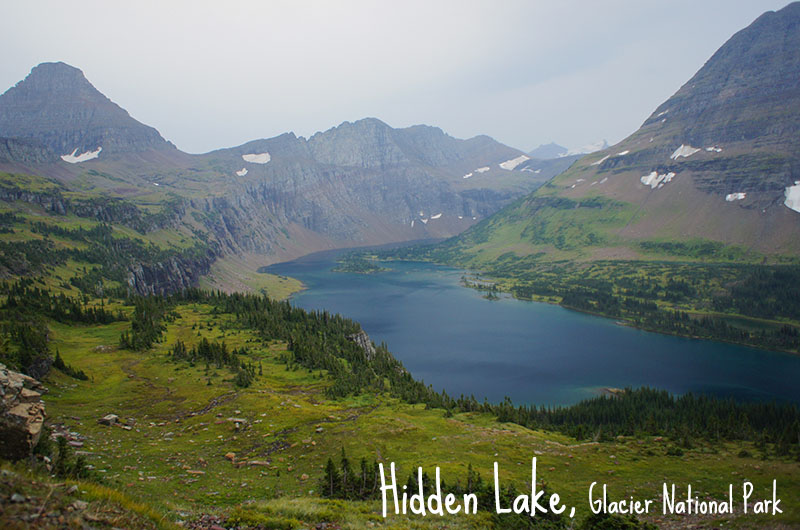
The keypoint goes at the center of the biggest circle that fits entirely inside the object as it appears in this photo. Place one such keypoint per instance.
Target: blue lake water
(537, 353)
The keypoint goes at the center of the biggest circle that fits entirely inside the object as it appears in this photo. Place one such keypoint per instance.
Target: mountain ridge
(359, 183)
(716, 161)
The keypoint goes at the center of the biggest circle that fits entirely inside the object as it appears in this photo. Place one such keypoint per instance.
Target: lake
(534, 353)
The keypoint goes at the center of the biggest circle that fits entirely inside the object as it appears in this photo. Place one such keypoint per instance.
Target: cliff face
(748, 90)
(28, 151)
(363, 183)
(172, 275)
(746, 102)
(56, 105)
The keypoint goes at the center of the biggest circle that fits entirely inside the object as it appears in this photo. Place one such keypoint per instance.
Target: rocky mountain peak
(56, 105)
(757, 69)
(57, 76)
(548, 151)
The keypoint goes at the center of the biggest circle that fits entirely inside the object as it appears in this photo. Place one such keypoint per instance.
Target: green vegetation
(751, 304)
(358, 263)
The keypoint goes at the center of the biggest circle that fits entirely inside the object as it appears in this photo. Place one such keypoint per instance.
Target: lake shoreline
(403, 306)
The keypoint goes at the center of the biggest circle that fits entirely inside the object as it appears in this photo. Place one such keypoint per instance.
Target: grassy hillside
(198, 443)
(51, 232)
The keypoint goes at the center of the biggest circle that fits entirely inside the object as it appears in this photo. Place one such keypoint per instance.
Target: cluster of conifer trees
(343, 482)
(23, 314)
(217, 353)
(23, 296)
(657, 412)
(150, 315)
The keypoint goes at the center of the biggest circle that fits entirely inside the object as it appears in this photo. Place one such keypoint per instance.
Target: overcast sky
(217, 74)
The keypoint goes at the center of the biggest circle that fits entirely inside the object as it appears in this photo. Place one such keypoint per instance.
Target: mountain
(587, 149)
(56, 105)
(363, 183)
(548, 151)
(719, 162)
(360, 183)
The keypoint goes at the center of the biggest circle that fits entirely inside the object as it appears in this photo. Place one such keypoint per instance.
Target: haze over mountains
(718, 161)
(358, 183)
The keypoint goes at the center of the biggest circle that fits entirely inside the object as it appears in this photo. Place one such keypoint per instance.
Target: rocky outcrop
(57, 106)
(105, 209)
(362, 339)
(27, 151)
(171, 275)
(50, 201)
(21, 414)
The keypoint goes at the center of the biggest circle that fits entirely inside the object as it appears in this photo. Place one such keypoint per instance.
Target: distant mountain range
(355, 184)
(548, 151)
(719, 161)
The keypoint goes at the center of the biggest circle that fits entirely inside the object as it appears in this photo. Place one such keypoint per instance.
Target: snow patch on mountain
(685, 151)
(738, 196)
(242, 172)
(83, 157)
(792, 195)
(654, 180)
(256, 158)
(514, 162)
(587, 149)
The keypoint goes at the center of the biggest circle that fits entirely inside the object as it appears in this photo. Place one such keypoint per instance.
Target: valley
(241, 338)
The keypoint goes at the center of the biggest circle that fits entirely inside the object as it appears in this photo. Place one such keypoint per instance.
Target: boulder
(108, 419)
(21, 414)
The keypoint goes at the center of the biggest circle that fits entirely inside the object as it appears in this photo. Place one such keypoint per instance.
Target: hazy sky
(217, 74)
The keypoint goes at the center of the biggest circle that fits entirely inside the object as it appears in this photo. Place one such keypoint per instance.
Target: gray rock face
(21, 414)
(362, 339)
(746, 97)
(29, 151)
(170, 276)
(57, 106)
(755, 70)
(362, 182)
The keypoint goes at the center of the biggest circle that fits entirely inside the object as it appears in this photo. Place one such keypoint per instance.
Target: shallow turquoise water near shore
(453, 338)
